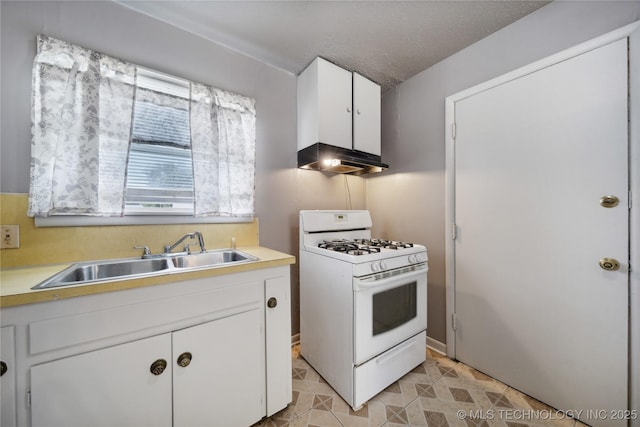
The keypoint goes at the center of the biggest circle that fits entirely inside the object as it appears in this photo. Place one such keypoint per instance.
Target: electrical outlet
(10, 238)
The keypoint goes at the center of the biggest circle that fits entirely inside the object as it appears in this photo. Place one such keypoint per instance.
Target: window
(160, 171)
(112, 139)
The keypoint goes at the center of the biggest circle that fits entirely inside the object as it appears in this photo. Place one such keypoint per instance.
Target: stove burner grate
(362, 246)
(386, 244)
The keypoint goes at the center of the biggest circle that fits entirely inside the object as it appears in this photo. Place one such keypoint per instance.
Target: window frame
(172, 85)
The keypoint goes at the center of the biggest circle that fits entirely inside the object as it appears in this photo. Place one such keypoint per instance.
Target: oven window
(394, 307)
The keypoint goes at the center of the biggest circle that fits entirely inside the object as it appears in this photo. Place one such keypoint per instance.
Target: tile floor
(440, 392)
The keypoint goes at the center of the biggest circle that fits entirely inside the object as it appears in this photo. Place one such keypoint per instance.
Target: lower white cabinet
(278, 319)
(224, 385)
(204, 352)
(108, 387)
(210, 374)
(8, 377)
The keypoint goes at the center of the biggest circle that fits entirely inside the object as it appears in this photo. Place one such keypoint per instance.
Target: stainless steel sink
(206, 259)
(123, 269)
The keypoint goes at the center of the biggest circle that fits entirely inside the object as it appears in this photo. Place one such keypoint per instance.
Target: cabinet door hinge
(453, 130)
(454, 231)
(454, 323)
(29, 399)
(629, 200)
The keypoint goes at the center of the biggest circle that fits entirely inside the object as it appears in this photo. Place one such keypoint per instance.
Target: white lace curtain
(225, 169)
(82, 107)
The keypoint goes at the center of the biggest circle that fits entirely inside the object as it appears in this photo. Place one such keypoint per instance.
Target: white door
(533, 307)
(109, 387)
(224, 382)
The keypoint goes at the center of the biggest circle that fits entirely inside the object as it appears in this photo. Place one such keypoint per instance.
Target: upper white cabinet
(324, 105)
(366, 115)
(339, 108)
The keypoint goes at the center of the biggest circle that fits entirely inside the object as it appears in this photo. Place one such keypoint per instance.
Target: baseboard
(295, 339)
(436, 345)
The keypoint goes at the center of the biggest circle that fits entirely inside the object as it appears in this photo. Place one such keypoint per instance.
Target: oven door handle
(360, 284)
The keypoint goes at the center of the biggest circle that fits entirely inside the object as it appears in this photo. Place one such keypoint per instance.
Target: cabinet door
(324, 105)
(8, 379)
(224, 382)
(109, 387)
(334, 105)
(278, 341)
(366, 115)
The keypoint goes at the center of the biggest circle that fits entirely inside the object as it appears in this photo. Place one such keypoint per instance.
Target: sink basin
(198, 260)
(122, 269)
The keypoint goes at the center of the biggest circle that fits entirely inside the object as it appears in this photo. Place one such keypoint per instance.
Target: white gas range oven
(363, 303)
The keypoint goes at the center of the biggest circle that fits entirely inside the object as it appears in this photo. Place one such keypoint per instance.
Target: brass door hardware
(184, 359)
(158, 367)
(609, 264)
(609, 201)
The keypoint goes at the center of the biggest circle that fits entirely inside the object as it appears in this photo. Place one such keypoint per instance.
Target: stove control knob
(375, 266)
(383, 265)
(413, 259)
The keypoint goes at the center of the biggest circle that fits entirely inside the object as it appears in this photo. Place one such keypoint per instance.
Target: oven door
(389, 308)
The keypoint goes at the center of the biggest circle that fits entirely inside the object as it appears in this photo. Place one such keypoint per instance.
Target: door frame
(633, 32)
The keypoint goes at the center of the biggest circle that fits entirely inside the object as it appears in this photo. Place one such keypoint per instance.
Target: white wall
(414, 134)
(281, 189)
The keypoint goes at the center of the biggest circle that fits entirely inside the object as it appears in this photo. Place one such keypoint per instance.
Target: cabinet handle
(272, 302)
(184, 359)
(3, 368)
(348, 109)
(158, 367)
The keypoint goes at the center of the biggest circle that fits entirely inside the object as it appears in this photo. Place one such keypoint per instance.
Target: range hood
(329, 158)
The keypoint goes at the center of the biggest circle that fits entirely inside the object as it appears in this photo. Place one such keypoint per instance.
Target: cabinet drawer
(62, 332)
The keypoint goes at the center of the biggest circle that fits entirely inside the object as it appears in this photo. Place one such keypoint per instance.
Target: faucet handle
(146, 250)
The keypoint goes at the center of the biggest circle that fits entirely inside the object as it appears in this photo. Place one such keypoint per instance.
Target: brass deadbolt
(609, 264)
(609, 201)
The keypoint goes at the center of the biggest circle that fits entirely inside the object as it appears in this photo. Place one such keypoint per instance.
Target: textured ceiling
(386, 41)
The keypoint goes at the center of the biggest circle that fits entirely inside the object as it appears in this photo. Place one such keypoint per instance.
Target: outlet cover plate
(10, 238)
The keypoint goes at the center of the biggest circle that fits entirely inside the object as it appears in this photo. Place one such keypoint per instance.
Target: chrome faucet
(194, 235)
